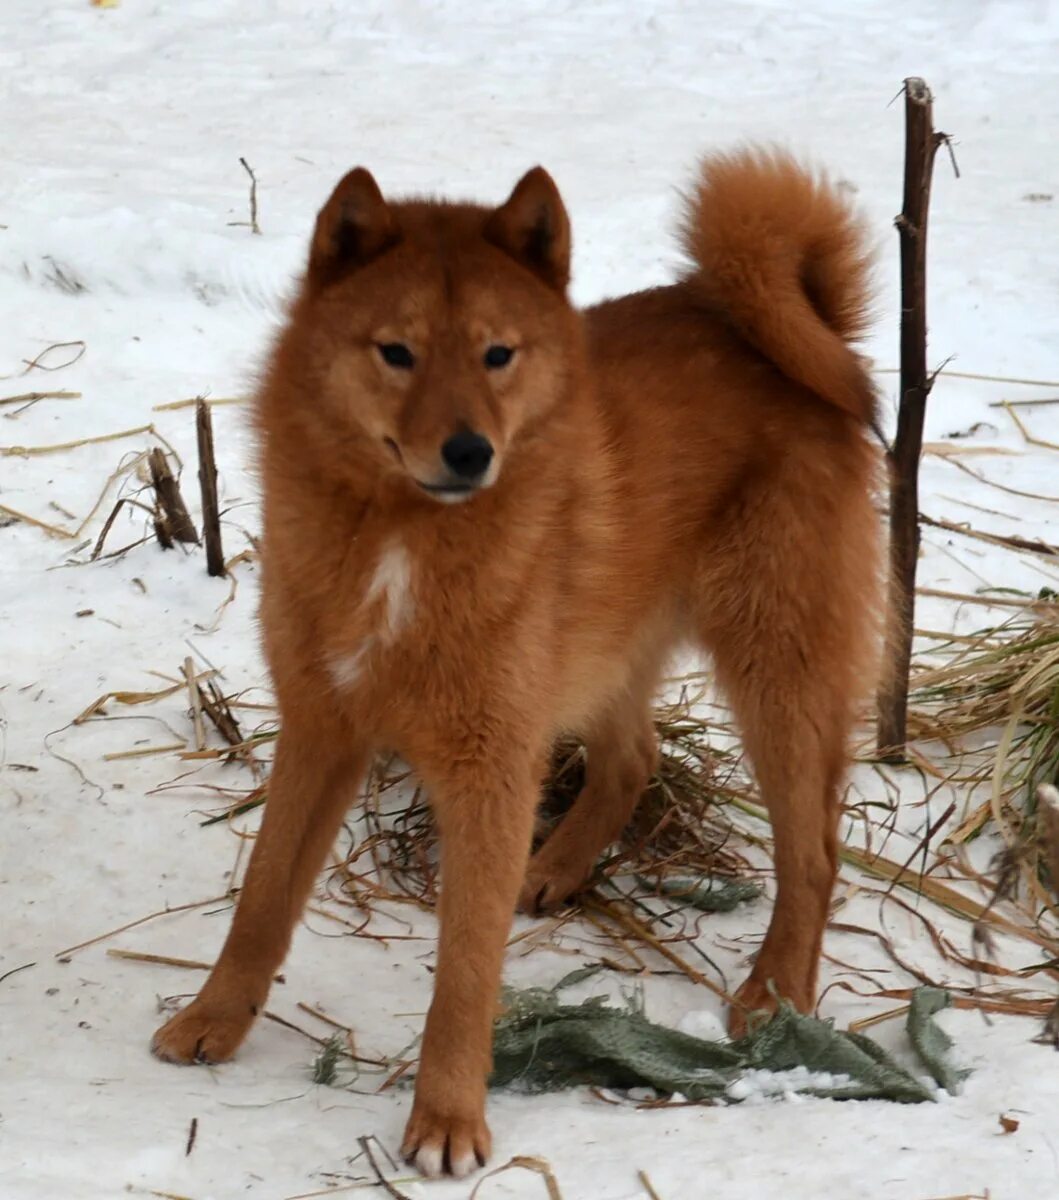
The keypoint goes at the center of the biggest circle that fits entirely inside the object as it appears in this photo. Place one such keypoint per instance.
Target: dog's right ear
(354, 226)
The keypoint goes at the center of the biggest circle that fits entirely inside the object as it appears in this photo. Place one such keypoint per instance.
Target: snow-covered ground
(119, 186)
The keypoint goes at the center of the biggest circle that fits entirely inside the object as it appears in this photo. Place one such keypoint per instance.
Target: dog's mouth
(450, 493)
(452, 490)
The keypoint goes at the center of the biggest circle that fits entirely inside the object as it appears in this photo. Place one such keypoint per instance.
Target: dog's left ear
(532, 226)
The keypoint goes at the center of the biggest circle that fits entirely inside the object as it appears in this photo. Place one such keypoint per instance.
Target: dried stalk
(921, 144)
(211, 517)
(172, 523)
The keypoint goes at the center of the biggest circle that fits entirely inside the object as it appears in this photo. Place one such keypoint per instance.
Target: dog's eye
(498, 356)
(397, 354)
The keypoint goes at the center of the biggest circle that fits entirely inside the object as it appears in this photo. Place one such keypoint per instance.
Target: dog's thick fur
(684, 465)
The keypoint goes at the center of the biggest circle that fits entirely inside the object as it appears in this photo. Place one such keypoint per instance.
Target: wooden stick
(254, 227)
(97, 550)
(639, 930)
(1048, 821)
(163, 912)
(1023, 403)
(172, 520)
(987, 601)
(144, 752)
(211, 517)
(215, 706)
(1011, 540)
(52, 530)
(78, 346)
(175, 405)
(33, 397)
(161, 960)
(647, 1185)
(196, 703)
(921, 144)
(525, 1162)
(1027, 436)
(383, 1182)
(164, 960)
(1014, 379)
(59, 447)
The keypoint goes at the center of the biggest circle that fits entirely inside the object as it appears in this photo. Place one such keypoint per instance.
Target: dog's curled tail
(781, 254)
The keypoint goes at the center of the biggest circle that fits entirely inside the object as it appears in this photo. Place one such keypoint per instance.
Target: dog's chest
(379, 614)
(417, 629)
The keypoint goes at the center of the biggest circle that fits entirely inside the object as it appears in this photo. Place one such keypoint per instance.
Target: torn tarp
(541, 1044)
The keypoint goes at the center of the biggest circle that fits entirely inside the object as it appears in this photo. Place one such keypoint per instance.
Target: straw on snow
(1003, 683)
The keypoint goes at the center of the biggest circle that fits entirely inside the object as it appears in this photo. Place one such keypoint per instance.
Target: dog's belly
(609, 662)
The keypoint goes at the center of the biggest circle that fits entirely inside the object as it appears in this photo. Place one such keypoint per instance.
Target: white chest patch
(346, 669)
(389, 591)
(392, 583)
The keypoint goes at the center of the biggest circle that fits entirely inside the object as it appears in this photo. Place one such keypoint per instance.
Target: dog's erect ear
(354, 226)
(532, 226)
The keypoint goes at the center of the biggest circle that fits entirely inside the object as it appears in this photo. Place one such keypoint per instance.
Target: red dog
(490, 519)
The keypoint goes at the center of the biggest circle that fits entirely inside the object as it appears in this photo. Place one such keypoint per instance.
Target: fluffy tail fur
(782, 255)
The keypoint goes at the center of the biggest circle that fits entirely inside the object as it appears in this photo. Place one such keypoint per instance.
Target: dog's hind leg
(622, 751)
(309, 791)
(787, 612)
(794, 736)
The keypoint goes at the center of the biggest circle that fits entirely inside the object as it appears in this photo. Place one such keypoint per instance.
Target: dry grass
(993, 702)
(538, 1166)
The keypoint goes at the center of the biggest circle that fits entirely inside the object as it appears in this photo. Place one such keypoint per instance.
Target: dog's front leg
(312, 784)
(485, 814)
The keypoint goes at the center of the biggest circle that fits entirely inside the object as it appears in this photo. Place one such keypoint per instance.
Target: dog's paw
(201, 1034)
(546, 888)
(756, 1003)
(753, 1007)
(439, 1143)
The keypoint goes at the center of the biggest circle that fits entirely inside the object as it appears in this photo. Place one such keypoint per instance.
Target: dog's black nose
(467, 454)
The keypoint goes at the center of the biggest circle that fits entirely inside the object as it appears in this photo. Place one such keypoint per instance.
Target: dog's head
(439, 333)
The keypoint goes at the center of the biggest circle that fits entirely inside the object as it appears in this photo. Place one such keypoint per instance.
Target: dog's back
(738, 388)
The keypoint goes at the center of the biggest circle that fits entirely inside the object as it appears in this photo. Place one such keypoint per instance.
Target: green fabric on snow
(715, 895)
(931, 1042)
(541, 1044)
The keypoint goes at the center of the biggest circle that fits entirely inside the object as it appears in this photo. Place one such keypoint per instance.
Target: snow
(119, 186)
(704, 1024)
(755, 1087)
